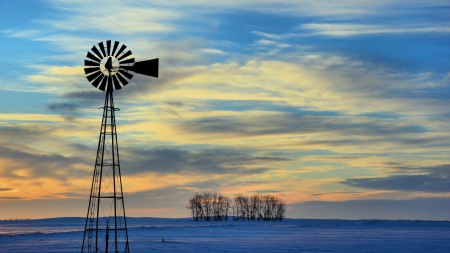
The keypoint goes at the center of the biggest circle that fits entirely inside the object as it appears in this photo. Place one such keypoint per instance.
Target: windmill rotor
(107, 69)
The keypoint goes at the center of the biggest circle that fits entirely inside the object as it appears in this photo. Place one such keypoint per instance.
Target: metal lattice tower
(106, 227)
(106, 213)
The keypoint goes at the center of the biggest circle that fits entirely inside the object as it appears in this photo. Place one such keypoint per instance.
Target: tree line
(215, 206)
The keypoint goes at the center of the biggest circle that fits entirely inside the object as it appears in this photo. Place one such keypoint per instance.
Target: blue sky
(332, 105)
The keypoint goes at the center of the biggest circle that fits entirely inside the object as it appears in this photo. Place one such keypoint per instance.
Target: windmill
(108, 69)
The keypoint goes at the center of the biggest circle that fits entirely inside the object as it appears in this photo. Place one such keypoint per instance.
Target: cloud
(348, 29)
(64, 107)
(25, 164)
(56, 79)
(272, 123)
(441, 169)
(69, 111)
(314, 81)
(30, 33)
(43, 79)
(175, 103)
(271, 36)
(265, 42)
(208, 162)
(91, 96)
(413, 183)
(10, 198)
(214, 51)
(320, 8)
(119, 18)
(24, 131)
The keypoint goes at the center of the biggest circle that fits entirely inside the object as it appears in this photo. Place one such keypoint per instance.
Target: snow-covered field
(185, 235)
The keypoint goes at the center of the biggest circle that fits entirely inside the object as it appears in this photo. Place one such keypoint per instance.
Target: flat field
(186, 235)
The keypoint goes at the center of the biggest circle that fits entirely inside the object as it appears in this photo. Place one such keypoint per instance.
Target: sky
(341, 108)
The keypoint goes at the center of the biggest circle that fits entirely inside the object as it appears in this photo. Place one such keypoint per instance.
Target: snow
(185, 235)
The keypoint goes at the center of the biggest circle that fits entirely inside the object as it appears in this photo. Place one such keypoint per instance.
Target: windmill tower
(106, 227)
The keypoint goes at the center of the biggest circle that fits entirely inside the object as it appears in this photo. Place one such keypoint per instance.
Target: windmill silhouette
(106, 227)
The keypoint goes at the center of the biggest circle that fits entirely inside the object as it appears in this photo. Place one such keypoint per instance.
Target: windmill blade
(96, 52)
(90, 70)
(108, 46)
(91, 63)
(98, 80)
(122, 80)
(116, 83)
(128, 75)
(127, 61)
(92, 57)
(103, 85)
(148, 68)
(131, 68)
(116, 44)
(121, 50)
(93, 76)
(102, 47)
(124, 55)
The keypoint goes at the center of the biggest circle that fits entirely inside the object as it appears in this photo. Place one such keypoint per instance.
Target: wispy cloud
(214, 51)
(322, 8)
(26, 34)
(118, 18)
(342, 30)
(425, 183)
(208, 162)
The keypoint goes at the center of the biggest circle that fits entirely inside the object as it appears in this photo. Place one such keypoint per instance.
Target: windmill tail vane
(106, 227)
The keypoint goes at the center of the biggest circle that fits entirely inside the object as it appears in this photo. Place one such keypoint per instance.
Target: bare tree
(215, 206)
(281, 209)
(254, 206)
(207, 205)
(238, 206)
(195, 205)
(221, 207)
(235, 207)
(227, 204)
(191, 206)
